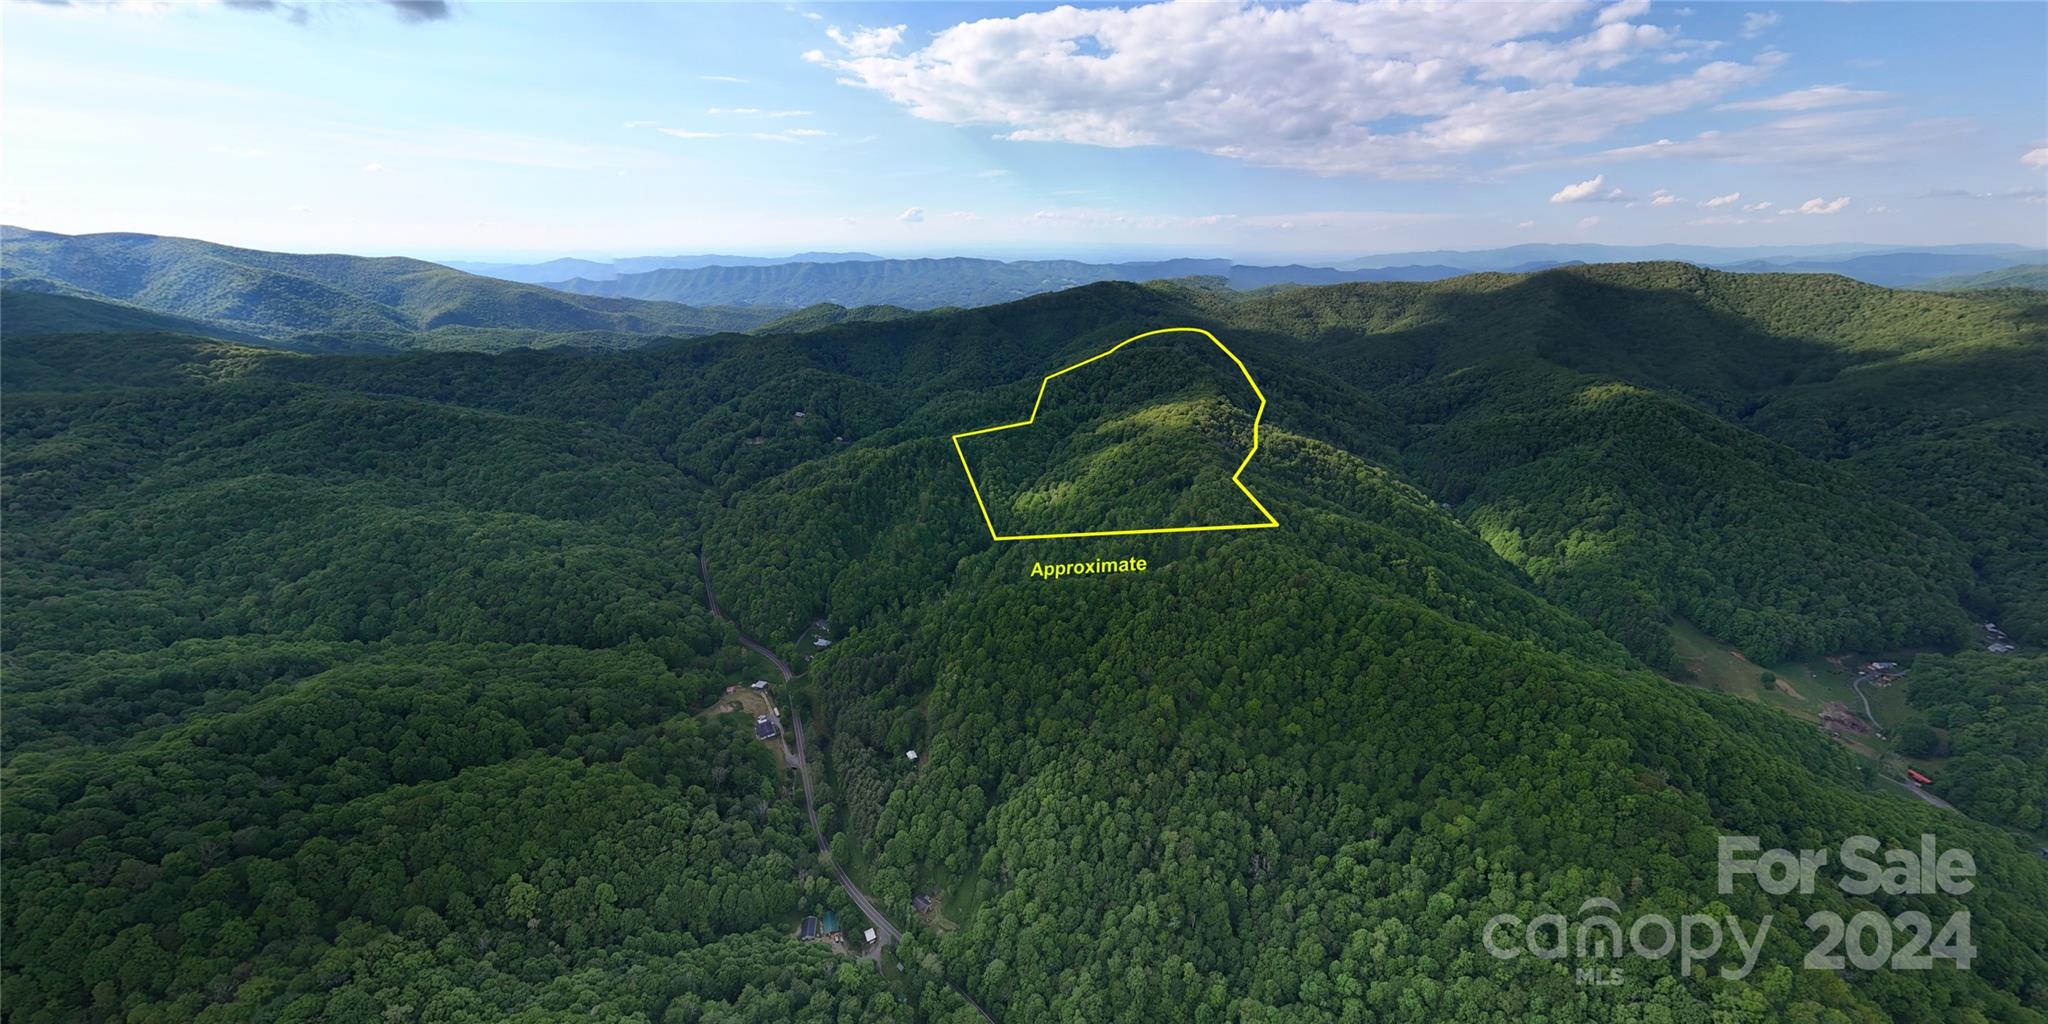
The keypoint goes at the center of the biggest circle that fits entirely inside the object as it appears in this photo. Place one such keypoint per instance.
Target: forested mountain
(825, 314)
(2031, 275)
(956, 281)
(351, 688)
(1897, 269)
(27, 310)
(338, 301)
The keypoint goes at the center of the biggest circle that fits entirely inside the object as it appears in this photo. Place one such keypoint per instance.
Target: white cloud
(914, 215)
(2022, 193)
(1817, 138)
(1526, 224)
(867, 42)
(1663, 198)
(1622, 11)
(1592, 190)
(1402, 90)
(1732, 197)
(1815, 206)
(638, 124)
(1815, 98)
(373, 168)
(1754, 23)
(1759, 207)
(808, 133)
(1588, 222)
(2036, 157)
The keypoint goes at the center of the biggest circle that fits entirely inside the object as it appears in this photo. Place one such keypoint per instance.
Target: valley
(279, 618)
(1352, 512)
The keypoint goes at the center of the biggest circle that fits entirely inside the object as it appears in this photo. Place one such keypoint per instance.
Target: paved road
(704, 571)
(1922, 793)
(886, 932)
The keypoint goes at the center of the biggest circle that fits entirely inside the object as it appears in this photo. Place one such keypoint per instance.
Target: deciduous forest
(380, 687)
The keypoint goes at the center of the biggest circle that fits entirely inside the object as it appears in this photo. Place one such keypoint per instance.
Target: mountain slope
(2029, 275)
(296, 644)
(281, 296)
(28, 310)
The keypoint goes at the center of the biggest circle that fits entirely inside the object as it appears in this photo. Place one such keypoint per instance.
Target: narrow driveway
(886, 932)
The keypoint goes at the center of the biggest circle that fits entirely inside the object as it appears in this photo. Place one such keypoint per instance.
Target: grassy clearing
(1803, 687)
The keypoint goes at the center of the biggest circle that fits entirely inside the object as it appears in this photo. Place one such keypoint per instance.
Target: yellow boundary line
(1027, 421)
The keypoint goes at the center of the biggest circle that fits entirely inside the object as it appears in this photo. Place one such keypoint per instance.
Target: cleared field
(1803, 687)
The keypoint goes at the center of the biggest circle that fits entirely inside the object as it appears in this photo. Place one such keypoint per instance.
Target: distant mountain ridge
(336, 301)
(1524, 256)
(858, 279)
(948, 281)
(2030, 275)
(605, 270)
(1890, 269)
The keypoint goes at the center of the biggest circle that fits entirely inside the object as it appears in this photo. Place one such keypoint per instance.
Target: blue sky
(1260, 132)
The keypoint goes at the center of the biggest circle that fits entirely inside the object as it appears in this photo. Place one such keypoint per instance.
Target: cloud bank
(1402, 90)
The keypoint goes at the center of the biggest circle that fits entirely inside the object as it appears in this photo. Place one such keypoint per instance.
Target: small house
(799, 414)
(766, 727)
(809, 932)
(922, 903)
(730, 689)
(760, 684)
(821, 642)
(1919, 778)
(910, 755)
(868, 936)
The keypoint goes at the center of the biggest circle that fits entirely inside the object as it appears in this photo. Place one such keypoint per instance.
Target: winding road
(886, 932)
(1856, 684)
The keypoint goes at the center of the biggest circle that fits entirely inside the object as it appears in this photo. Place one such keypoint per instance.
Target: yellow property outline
(1027, 421)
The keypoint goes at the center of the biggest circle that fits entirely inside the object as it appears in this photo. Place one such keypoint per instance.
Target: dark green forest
(354, 687)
